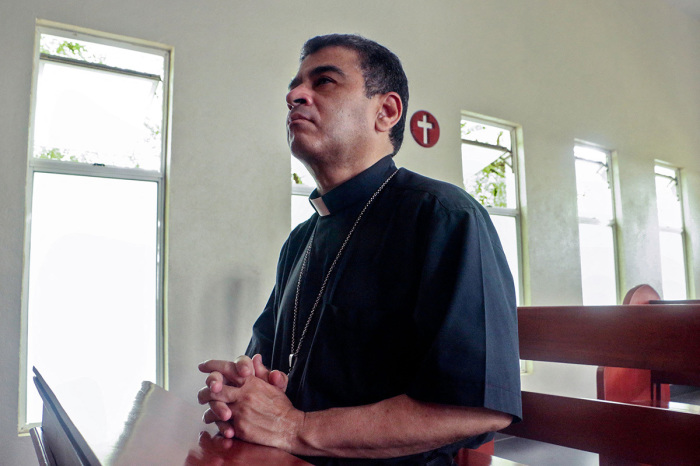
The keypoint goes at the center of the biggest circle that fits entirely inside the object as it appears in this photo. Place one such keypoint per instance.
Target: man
(391, 331)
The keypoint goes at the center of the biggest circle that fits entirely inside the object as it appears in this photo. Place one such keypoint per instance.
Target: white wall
(620, 73)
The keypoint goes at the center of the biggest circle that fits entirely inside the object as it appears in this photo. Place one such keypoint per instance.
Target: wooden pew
(647, 387)
(640, 386)
(633, 336)
(666, 377)
(654, 337)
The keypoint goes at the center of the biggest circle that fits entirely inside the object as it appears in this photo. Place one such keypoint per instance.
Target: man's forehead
(337, 59)
(340, 57)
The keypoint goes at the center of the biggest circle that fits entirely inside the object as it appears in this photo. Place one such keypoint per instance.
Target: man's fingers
(215, 382)
(275, 378)
(226, 395)
(261, 371)
(226, 368)
(234, 372)
(208, 417)
(211, 365)
(218, 411)
(279, 380)
(204, 396)
(244, 366)
(226, 429)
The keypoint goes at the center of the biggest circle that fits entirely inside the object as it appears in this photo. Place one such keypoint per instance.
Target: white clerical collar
(320, 206)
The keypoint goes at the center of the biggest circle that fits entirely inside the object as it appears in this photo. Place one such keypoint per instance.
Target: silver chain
(295, 351)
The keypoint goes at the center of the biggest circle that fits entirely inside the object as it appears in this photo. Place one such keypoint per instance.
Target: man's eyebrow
(315, 72)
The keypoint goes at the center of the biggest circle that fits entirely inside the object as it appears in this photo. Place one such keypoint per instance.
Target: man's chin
(302, 151)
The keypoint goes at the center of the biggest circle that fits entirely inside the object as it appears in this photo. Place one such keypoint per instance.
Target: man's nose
(298, 96)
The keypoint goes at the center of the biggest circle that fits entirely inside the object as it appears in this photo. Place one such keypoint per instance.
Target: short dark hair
(381, 69)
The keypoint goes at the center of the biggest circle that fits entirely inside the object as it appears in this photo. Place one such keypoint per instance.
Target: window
(490, 172)
(671, 233)
(302, 186)
(596, 216)
(93, 281)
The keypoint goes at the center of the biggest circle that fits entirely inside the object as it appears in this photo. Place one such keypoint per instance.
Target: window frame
(515, 213)
(36, 165)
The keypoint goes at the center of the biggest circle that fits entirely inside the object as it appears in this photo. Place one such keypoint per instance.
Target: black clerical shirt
(421, 302)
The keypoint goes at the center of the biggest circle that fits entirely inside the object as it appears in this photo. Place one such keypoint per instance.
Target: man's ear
(389, 113)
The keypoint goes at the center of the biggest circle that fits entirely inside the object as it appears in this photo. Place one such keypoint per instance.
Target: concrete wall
(619, 73)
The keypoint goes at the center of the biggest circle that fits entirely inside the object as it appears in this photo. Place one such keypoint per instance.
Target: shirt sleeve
(467, 314)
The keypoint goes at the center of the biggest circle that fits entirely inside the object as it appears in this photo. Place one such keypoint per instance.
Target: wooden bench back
(650, 336)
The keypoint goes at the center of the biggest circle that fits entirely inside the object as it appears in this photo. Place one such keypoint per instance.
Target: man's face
(329, 113)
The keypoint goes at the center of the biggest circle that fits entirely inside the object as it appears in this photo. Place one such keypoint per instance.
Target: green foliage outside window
(52, 46)
(488, 186)
(55, 154)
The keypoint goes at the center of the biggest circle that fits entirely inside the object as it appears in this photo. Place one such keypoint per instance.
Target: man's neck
(331, 175)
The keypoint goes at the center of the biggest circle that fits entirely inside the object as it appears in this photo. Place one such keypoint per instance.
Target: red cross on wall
(425, 128)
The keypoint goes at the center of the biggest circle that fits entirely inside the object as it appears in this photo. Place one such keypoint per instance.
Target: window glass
(302, 186)
(489, 174)
(671, 233)
(487, 134)
(667, 198)
(672, 265)
(301, 209)
(592, 184)
(596, 225)
(487, 165)
(508, 234)
(103, 54)
(301, 176)
(98, 116)
(92, 282)
(598, 278)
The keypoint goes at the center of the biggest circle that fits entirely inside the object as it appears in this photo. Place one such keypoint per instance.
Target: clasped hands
(248, 401)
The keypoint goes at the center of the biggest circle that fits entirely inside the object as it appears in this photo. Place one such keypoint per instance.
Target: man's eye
(323, 80)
